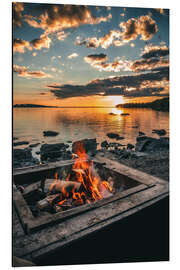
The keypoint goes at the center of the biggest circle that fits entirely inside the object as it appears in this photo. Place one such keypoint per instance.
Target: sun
(115, 100)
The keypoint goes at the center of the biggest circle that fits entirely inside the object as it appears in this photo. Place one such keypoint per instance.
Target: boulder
(160, 132)
(20, 143)
(22, 154)
(114, 136)
(104, 144)
(130, 146)
(23, 157)
(148, 144)
(89, 145)
(52, 151)
(49, 133)
(33, 145)
(141, 133)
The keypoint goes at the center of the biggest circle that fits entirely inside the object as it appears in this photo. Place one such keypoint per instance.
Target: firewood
(47, 201)
(53, 185)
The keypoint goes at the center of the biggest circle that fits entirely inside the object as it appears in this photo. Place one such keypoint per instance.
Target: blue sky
(65, 54)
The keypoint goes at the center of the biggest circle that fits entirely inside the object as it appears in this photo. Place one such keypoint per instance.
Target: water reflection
(78, 123)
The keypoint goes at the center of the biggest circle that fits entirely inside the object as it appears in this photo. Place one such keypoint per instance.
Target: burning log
(54, 185)
(49, 200)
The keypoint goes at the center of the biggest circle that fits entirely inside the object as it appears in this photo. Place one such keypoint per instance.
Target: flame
(94, 188)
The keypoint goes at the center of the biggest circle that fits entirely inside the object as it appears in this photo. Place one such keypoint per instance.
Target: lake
(80, 123)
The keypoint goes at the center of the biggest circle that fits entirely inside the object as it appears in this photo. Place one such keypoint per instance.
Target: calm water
(79, 123)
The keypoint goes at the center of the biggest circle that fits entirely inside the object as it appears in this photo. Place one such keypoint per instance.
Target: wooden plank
(79, 226)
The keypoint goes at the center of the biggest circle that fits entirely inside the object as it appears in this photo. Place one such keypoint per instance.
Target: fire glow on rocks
(79, 186)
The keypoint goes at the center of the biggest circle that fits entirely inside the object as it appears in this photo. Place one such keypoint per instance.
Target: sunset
(89, 56)
(90, 134)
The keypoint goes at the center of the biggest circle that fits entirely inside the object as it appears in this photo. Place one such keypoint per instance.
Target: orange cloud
(17, 14)
(42, 42)
(65, 16)
(144, 26)
(19, 45)
(98, 61)
(24, 72)
(148, 64)
(155, 51)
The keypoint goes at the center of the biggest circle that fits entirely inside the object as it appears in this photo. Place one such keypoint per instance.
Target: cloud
(148, 64)
(144, 26)
(17, 14)
(42, 42)
(19, 45)
(105, 41)
(23, 71)
(62, 35)
(98, 61)
(95, 58)
(155, 51)
(73, 55)
(148, 84)
(61, 17)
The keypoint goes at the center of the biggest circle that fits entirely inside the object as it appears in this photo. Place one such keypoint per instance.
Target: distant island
(32, 106)
(158, 105)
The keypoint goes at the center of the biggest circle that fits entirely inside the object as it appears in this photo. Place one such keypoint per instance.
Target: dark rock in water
(104, 144)
(141, 133)
(52, 151)
(160, 132)
(135, 126)
(34, 145)
(20, 143)
(148, 144)
(114, 136)
(130, 146)
(50, 133)
(89, 145)
(124, 114)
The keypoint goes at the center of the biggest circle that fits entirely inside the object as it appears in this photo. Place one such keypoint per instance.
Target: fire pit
(62, 204)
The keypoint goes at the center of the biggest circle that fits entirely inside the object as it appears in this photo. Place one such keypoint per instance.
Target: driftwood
(53, 185)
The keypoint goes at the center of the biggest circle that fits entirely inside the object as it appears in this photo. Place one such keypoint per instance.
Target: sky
(67, 55)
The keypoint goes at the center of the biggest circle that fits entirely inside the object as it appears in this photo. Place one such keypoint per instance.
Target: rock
(89, 145)
(130, 146)
(114, 136)
(141, 133)
(49, 133)
(22, 154)
(160, 132)
(23, 157)
(148, 144)
(104, 144)
(53, 151)
(33, 145)
(20, 143)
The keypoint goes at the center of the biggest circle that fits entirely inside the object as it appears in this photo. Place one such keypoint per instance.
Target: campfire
(71, 187)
